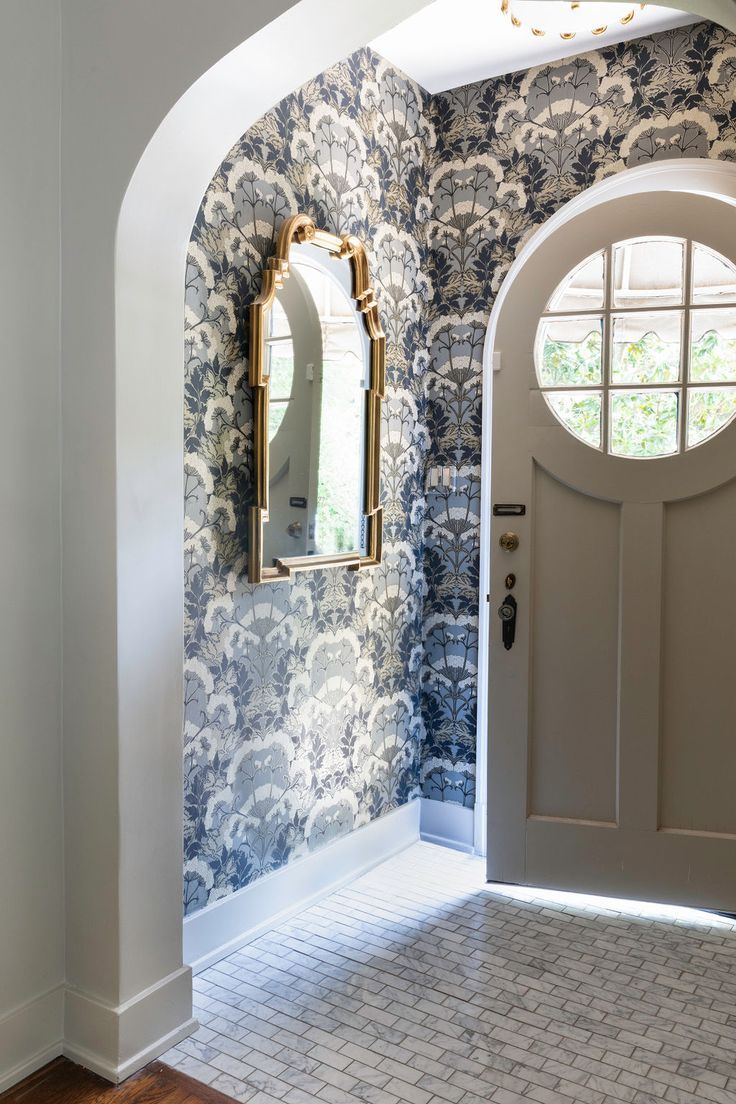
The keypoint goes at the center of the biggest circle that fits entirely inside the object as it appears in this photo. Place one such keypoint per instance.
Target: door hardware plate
(507, 613)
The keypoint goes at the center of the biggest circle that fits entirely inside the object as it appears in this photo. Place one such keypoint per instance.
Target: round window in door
(636, 350)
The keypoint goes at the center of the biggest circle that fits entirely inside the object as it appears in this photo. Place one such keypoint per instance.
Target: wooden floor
(61, 1082)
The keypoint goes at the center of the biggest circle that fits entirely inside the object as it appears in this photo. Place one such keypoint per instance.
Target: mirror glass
(317, 359)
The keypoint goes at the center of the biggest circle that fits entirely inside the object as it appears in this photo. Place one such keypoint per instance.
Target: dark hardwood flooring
(61, 1082)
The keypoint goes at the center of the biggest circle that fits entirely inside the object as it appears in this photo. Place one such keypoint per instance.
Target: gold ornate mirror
(317, 367)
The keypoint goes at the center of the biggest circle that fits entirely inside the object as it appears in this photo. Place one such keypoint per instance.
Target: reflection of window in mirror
(337, 471)
(279, 366)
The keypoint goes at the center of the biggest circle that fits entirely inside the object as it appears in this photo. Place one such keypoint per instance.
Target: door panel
(572, 762)
(699, 647)
(612, 753)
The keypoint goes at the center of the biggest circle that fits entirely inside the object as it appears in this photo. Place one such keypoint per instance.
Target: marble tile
(420, 984)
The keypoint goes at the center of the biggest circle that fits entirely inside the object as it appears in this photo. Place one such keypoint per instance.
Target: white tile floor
(418, 983)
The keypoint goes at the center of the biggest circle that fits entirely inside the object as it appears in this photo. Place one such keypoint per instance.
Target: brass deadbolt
(509, 542)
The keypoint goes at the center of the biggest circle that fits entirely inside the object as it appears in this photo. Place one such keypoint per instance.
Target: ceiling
(455, 42)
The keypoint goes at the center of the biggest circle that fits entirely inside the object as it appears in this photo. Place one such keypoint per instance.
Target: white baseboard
(118, 1073)
(115, 1041)
(223, 927)
(31, 1036)
(448, 824)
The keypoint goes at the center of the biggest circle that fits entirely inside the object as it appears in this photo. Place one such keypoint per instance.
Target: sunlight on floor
(420, 984)
(676, 914)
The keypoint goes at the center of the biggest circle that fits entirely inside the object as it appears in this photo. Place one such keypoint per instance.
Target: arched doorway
(128, 221)
(146, 998)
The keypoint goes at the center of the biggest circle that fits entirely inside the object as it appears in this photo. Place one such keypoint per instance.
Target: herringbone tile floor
(419, 983)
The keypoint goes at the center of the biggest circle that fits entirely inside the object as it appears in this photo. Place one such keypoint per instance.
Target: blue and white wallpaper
(302, 711)
(316, 706)
(508, 153)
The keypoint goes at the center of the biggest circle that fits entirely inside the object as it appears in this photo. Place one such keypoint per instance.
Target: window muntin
(636, 349)
(279, 367)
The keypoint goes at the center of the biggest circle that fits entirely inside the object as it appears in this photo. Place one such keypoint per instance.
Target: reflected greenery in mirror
(317, 367)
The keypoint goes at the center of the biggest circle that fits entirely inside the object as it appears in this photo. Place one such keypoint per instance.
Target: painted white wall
(123, 68)
(31, 929)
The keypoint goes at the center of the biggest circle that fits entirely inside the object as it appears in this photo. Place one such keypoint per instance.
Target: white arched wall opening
(135, 182)
(131, 187)
(695, 176)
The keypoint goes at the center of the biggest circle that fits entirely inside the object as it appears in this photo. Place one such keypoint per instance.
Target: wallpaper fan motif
(313, 707)
(302, 700)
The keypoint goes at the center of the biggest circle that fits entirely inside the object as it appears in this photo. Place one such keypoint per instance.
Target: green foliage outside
(644, 423)
(648, 360)
(712, 358)
(572, 363)
(339, 479)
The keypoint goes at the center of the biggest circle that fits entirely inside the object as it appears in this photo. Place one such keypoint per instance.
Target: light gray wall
(31, 929)
(124, 67)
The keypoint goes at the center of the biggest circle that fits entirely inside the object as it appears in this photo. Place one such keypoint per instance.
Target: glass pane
(644, 423)
(280, 362)
(583, 289)
(708, 410)
(278, 323)
(648, 272)
(342, 345)
(712, 346)
(646, 348)
(714, 277)
(276, 413)
(580, 412)
(339, 410)
(340, 469)
(570, 351)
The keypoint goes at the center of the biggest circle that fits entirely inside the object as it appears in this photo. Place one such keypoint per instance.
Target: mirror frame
(302, 229)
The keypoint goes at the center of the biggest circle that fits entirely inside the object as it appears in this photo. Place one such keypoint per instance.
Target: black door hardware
(507, 613)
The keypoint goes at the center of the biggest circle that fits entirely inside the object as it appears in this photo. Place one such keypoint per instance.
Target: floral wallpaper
(302, 711)
(508, 153)
(313, 707)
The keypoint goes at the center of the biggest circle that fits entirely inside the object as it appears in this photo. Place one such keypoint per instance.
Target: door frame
(702, 176)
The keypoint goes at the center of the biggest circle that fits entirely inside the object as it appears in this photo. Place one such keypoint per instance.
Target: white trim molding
(230, 923)
(448, 824)
(31, 1035)
(115, 1042)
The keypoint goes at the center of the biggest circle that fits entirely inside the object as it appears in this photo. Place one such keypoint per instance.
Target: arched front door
(612, 752)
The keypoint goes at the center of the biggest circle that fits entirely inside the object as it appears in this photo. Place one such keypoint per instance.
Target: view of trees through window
(343, 406)
(333, 414)
(636, 351)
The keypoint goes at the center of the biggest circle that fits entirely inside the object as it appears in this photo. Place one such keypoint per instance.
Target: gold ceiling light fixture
(559, 17)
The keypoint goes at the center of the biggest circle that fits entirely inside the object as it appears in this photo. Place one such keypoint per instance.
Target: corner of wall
(31, 1035)
(115, 1042)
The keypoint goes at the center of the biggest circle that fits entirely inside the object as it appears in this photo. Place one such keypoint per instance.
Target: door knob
(294, 529)
(509, 541)
(507, 613)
